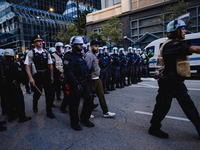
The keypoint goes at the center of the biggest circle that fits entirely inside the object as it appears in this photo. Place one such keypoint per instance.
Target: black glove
(80, 88)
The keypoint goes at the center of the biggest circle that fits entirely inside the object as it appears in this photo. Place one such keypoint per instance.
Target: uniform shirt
(171, 52)
(29, 57)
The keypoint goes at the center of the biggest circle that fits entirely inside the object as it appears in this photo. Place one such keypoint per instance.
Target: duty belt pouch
(183, 66)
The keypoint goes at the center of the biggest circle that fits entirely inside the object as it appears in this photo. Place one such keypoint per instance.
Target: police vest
(58, 62)
(144, 56)
(80, 68)
(40, 60)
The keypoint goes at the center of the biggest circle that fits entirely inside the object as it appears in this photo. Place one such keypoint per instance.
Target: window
(150, 51)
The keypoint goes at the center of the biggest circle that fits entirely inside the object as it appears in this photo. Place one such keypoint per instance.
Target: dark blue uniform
(123, 67)
(104, 65)
(77, 77)
(132, 59)
(116, 69)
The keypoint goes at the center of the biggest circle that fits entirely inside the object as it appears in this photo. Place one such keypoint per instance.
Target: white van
(153, 50)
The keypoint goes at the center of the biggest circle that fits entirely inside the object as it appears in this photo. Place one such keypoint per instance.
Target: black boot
(157, 132)
(2, 128)
(35, 108)
(24, 119)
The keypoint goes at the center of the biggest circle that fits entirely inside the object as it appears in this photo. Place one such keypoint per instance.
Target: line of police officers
(44, 69)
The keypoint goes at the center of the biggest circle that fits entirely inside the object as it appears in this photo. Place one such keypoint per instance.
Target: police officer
(77, 77)
(39, 68)
(108, 70)
(123, 61)
(171, 84)
(131, 66)
(11, 91)
(138, 65)
(57, 59)
(103, 64)
(145, 60)
(116, 67)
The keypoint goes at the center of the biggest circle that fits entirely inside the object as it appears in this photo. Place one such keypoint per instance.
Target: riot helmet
(130, 49)
(59, 47)
(52, 50)
(176, 27)
(67, 48)
(121, 51)
(115, 50)
(9, 52)
(105, 49)
(101, 50)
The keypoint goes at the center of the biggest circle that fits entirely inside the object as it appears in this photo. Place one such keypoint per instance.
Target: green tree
(171, 12)
(111, 31)
(64, 35)
(82, 20)
(96, 36)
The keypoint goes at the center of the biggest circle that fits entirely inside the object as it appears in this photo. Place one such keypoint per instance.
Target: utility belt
(45, 71)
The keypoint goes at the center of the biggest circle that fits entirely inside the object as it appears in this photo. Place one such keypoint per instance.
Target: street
(128, 130)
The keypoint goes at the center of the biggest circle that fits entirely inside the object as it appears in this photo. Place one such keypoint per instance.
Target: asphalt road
(128, 130)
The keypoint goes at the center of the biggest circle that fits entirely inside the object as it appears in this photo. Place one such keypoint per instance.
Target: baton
(38, 90)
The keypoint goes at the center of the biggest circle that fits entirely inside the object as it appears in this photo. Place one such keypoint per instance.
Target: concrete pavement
(128, 130)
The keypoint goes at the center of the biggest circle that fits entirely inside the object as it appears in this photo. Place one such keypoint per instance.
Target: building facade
(109, 3)
(139, 19)
(19, 23)
(71, 7)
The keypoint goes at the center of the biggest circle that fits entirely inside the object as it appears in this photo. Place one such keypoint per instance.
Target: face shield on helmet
(121, 50)
(101, 50)
(9, 52)
(1, 52)
(84, 48)
(67, 48)
(130, 49)
(105, 49)
(115, 50)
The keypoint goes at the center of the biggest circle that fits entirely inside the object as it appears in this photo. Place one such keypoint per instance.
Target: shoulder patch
(66, 62)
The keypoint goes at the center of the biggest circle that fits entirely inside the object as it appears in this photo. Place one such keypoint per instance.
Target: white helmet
(52, 49)
(9, 52)
(130, 48)
(101, 50)
(59, 44)
(115, 50)
(105, 49)
(67, 48)
(76, 40)
(1, 52)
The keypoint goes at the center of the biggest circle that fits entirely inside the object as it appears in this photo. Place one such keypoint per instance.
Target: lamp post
(78, 17)
(45, 33)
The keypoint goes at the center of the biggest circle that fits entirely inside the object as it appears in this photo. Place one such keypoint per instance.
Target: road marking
(171, 117)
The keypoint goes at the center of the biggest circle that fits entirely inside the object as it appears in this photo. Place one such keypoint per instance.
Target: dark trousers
(108, 82)
(104, 77)
(100, 94)
(27, 86)
(168, 90)
(122, 76)
(13, 100)
(74, 101)
(131, 75)
(66, 98)
(56, 88)
(145, 70)
(43, 80)
(115, 76)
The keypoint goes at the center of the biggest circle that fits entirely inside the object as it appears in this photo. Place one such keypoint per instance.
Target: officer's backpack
(160, 65)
